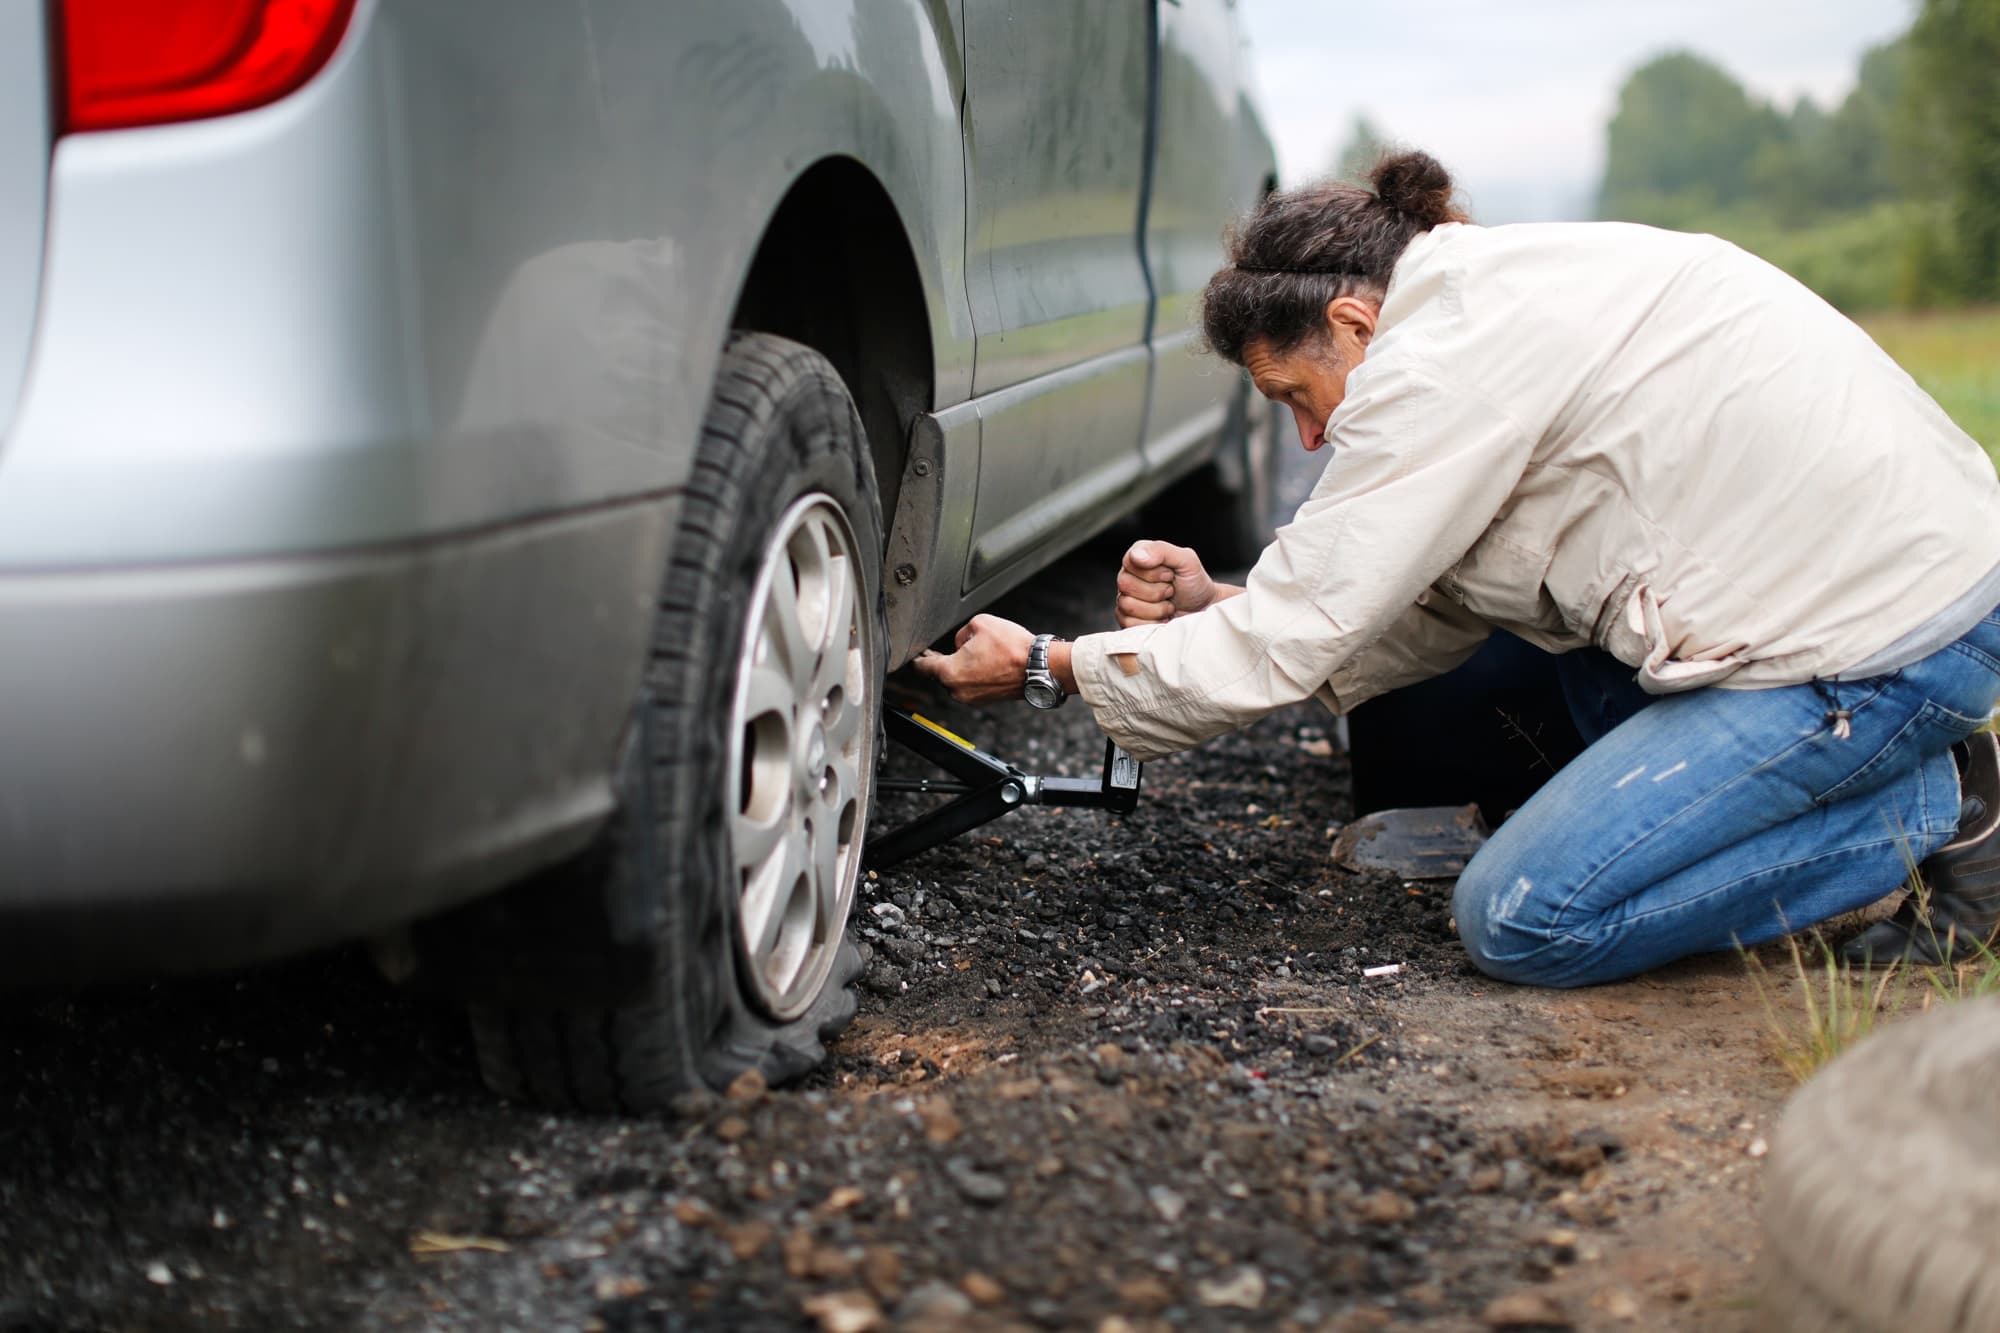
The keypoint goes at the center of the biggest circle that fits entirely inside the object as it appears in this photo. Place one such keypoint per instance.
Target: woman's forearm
(1059, 666)
(1059, 659)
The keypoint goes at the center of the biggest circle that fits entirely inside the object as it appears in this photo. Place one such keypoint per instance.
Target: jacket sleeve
(1419, 470)
(1433, 636)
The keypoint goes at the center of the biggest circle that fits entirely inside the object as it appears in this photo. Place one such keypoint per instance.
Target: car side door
(1204, 174)
(1055, 124)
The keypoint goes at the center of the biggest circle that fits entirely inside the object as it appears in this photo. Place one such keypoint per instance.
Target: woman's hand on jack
(990, 661)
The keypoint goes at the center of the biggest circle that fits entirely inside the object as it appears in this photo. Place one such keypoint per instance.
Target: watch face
(1042, 693)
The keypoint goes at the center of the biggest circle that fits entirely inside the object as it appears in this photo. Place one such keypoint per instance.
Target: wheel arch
(835, 270)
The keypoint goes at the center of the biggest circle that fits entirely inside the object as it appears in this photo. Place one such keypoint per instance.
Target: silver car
(466, 469)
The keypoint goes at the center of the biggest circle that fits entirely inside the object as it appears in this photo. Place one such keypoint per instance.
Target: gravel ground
(1108, 1074)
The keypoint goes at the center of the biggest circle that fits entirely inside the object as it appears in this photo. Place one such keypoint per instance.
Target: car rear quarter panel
(337, 499)
(478, 272)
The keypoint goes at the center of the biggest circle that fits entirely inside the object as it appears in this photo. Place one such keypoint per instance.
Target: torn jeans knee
(1504, 919)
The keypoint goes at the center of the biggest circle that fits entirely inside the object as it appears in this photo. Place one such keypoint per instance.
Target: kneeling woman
(1770, 561)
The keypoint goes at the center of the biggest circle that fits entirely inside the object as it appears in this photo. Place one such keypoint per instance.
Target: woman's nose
(1312, 432)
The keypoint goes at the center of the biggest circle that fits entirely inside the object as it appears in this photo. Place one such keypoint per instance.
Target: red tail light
(145, 62)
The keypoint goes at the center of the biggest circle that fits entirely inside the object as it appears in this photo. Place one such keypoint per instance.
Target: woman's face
(1311, 379)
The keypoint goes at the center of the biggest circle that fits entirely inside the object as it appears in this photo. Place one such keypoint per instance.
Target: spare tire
(1882, 1191)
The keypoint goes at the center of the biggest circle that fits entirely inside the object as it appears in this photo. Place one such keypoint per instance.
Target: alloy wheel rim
(801, 754)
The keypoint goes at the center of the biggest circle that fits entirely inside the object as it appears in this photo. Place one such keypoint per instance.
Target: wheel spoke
(839, 633)
(752, 841)
(826, 871)
(766, 894)
(769, 690)
(784, 634)
(842, 716)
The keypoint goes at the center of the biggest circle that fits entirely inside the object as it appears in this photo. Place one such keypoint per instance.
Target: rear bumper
(209, 765)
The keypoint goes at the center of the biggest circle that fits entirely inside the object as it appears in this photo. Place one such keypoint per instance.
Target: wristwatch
(1040, 689)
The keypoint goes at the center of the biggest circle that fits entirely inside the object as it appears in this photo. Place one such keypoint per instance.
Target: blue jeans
(1695, 822)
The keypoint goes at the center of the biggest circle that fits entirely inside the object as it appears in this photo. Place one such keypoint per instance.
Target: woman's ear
(1351, 319)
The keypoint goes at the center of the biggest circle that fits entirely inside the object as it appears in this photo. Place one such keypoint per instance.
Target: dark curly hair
(1302, 248)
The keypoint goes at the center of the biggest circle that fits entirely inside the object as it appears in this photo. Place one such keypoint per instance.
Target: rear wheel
(718, 901)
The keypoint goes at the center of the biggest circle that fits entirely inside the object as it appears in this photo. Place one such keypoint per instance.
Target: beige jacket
(1584, 433)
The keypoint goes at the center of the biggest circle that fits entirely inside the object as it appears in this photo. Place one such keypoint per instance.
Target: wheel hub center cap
(815, 756)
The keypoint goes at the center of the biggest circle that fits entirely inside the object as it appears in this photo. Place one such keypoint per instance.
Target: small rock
(976, 1185)
(993, 987)
(830, 1264)
(693, 1213)
(1168, 1204)
(1600, 1138)
(933, 1302)
(799, 1247)
(1514, 1176)
(159, 1274)
(888, 915)
(1359, 1321)
(1485, 1180)
(1241, 1290)
(1525, 1309)
(748, 1240)
(1618, 1302)
(982, 1289)
(841, 1199)
(1584, 1209)
(613, 1288)
(882, 1270)
(845, 1312)
(1386, 1207)
(1147, 1295)
(1318, 1043)
(748, 1086)
(731, 1128)
(941, 1123)
(906, 951)
(1577, 1161)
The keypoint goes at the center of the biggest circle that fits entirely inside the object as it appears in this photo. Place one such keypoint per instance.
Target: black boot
(1962, 909)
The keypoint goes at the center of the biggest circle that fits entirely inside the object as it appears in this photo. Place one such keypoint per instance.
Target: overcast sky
(1514, 95)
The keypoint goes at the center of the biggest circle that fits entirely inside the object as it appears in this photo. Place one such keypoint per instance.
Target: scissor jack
(984, 788)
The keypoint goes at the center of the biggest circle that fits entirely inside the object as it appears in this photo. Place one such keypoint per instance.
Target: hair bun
(1416, 185)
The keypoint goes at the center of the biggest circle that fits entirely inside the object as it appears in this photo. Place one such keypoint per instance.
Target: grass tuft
(1837, 1005)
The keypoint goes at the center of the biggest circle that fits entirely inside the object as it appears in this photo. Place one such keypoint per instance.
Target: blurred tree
(1683, 139)
(1953, 105)
(1821, 164)
(1891, 197)
(1364, 148)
